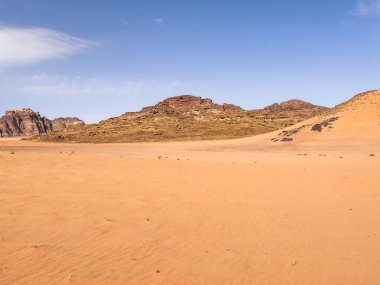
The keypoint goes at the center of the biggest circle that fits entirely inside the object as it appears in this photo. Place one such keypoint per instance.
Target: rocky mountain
(188, 104)
(26, 122)
(292, 109)
(185, 117)
(61, 123)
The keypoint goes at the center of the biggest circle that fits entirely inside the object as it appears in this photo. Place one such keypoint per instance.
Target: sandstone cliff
(26, 122)
(59, 124)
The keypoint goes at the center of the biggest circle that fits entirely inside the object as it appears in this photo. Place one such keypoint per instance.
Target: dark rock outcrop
(26, 122)
(318, 127)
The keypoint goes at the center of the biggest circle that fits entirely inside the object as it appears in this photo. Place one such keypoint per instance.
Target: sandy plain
(226, 212)
(245, 211)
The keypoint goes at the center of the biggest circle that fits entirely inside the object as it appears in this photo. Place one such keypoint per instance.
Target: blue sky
(97, 59)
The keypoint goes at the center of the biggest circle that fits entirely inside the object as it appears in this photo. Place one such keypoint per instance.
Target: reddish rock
(26, 122)
(23, 122)
(63, 123)
(292, 109)
(188, 104)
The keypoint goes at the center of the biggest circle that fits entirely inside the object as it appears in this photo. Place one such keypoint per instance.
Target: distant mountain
(292, 109)
(26, 122)
(186, 117)
(61, 123)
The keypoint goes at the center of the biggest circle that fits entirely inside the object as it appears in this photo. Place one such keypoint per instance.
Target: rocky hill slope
(187, 117)
(26, 122)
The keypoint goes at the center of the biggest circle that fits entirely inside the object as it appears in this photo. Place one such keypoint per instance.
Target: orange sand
(243, 211)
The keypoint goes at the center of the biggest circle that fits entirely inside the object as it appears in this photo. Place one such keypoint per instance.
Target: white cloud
(57, 85)
(158, 21)
(367, 7)
(124, 22)
(34, 44)
(42, 84)
(89, 98)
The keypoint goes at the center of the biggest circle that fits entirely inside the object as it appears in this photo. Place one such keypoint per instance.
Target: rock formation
(292, 109)
(26, 122)
(185, 117)
(188, 104)
(59, 124)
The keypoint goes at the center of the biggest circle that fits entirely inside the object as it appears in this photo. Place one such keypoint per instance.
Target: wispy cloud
(158, 21)
(49, 84)
(42, 84)
(89, 98)
(124, 22)
(26, 45)
(367, 7)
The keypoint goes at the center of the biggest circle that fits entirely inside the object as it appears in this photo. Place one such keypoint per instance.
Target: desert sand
(245, 211)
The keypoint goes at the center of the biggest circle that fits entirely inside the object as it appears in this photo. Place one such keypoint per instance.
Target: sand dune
(356, 121)
(247, 211)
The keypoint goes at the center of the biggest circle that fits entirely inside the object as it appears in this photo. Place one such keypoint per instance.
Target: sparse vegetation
(184, 118)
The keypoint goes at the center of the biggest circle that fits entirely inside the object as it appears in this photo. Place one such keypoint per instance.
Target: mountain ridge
(186, 117)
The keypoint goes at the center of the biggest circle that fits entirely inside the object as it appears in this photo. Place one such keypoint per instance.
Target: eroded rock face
(26, 122)
(23, 122)
(63, 123)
